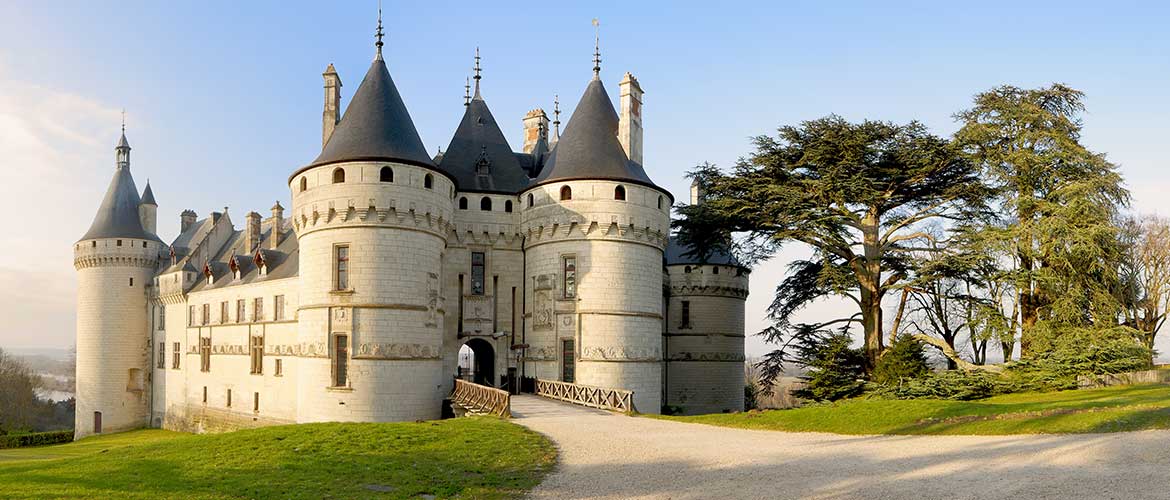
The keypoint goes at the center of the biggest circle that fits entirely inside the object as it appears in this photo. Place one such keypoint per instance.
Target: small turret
(535, 129)
(148, 211)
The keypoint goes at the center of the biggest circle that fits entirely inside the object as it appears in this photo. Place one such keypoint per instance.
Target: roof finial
(467, 92)
(557, 115)
(123, 121)
(596, 48)
(378, 33)
(477, 77)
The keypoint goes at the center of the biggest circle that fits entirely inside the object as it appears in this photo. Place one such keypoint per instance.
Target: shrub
(1080, 351)
(903, 361)
(951, 384)
(835, 369)
(35, 439)
(749, 396)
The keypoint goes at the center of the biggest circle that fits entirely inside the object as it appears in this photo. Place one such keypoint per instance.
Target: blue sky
(223, 99)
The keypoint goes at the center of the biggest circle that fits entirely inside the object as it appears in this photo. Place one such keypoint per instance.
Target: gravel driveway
(604, 455)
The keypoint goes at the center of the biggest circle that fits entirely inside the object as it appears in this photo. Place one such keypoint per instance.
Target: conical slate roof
(376, 125)
(479, 140)
(589, 148)
(118, 215)
(148, 196)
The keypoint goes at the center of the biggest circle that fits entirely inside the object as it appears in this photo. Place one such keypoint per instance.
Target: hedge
(35, 439)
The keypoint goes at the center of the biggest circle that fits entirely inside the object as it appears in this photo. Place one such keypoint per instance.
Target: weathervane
(467, 92)
(477, 70)
(596, 48)
(378, 33)
(557, 115)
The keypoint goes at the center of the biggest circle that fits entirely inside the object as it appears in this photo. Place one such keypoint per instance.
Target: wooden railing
(482, 399)
(596, 397)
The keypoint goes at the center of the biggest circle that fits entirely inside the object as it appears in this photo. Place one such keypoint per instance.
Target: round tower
(371, 215)
(115, 261)
(595, 229)
(704, 331)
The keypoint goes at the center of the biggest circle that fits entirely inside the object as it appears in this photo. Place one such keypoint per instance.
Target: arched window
(619, 193)
(660, 202)
(566, 193)
(715, 270)
(428, 181)
(508, 206)
(462, 203)
(485, 204)
(338, 176)
(387, 174)
(687, 269)
(304, 184)
(529, 200)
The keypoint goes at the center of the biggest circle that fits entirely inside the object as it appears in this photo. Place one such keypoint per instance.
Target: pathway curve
(606, 455)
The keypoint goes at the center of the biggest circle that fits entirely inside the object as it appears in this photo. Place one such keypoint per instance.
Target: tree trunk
(870, 282)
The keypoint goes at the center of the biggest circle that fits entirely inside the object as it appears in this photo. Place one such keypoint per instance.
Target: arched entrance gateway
(477, 362)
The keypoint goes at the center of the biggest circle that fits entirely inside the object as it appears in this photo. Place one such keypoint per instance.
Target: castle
(555, 262)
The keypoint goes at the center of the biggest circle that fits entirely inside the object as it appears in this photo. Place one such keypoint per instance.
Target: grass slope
(1110, 409)
(467, 457)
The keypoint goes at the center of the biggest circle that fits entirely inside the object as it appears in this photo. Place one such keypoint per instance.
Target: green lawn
(1111, 409)
(475, 457)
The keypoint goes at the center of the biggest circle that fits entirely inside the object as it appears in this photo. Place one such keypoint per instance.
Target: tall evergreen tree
(858, 194)
(1058, 200)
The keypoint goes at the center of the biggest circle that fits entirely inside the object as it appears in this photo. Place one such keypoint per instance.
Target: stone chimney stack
(186, 220)
(277, 220)
(696, 192)
(332, 113)
(251, 232)
(630, 120)
(535, 129)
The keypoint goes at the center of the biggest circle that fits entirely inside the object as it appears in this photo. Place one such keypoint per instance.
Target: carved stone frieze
(621, 353)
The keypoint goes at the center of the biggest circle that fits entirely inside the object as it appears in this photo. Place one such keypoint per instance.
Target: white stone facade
(354, 305)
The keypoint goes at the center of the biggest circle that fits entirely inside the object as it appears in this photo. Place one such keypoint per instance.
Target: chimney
(186, 220)
(535, 129)
(332, 113)
(630, 122)
(696, 192)
(251, 232)
(276, 221)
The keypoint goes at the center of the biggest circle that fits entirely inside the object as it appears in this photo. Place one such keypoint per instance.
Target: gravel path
(604, 455)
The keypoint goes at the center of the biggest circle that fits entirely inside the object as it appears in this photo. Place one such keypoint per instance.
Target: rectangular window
(686, 314)
(341, 267)
(570, 274)
(205, 394)
(258, 309)
(256, 401)
(206, 317)
(223, 313)
(205, 354)
(162, 355)
(162, 317)
(278, 308)
(257, 352)
(340, 360)
(477, 273)
(176, 355)
(279, 371)
(131, 281)
(191, 316)
(568, 359)
(229, 398)
(240, 311)
(97, 421)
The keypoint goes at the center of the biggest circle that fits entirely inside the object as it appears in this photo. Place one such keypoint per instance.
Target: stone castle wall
(705, 354)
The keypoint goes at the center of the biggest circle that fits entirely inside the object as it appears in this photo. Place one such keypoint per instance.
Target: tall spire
(122, 150)
(477, 77)
(378, 34)
(467, 92)
(596, 49)
(556, 116)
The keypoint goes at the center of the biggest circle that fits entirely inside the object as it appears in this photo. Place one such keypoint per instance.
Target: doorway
(477, 362)
(97, 422)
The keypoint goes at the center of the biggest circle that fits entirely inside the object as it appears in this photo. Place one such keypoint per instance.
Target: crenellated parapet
(114, 252)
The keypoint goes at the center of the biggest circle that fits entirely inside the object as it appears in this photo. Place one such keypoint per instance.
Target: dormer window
(261, 263)
(235, 266)
(208, 274)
